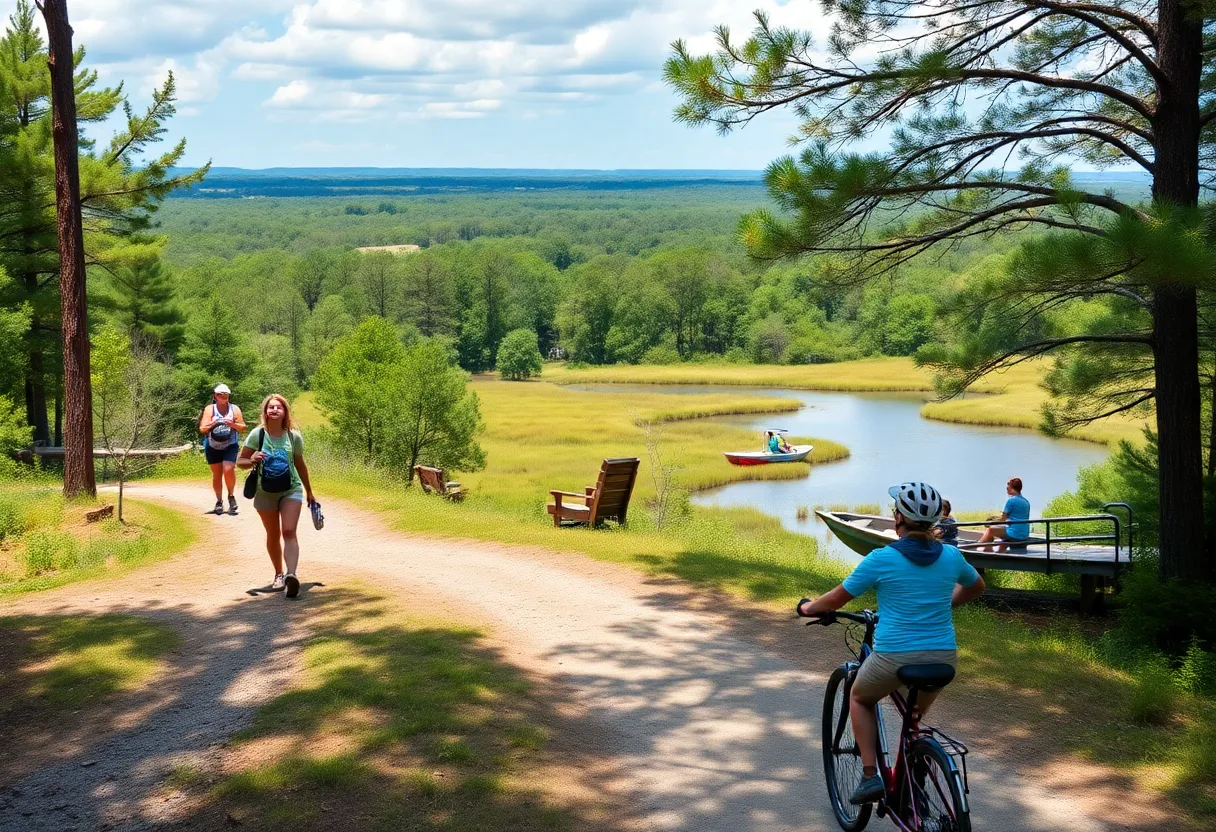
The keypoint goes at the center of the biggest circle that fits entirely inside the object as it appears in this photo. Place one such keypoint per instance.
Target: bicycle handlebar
(864, 617)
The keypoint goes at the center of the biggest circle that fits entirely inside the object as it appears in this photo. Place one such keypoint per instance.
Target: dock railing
(1114, 538)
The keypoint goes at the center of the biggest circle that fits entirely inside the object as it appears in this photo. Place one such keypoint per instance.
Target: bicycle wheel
(842, 759)
(937, 789)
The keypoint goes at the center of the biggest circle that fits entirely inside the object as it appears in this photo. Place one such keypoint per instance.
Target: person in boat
(777, 444)
(1011, 526)
(918, 580)
(947, 527)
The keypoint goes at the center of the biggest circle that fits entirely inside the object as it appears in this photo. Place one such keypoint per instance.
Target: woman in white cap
(221, 425)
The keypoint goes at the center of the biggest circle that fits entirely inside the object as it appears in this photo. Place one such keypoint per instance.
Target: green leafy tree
(585, 317)
(437, 418)
(329, 322)
(962, 88)
(428, 294)
(359, 387)
(134, 402)
(519, 355)
(379, 278)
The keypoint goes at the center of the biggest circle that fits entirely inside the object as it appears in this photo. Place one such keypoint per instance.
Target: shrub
(46, 550)
(11, 522)
(519, 355)
(661, 354)
(1154, 699)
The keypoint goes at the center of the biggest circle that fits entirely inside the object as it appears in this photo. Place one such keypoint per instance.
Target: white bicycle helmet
(917, 501)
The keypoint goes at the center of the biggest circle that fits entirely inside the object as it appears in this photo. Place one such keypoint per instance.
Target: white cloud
(363, 59)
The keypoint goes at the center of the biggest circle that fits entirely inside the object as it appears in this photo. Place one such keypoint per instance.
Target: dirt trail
(711, 730)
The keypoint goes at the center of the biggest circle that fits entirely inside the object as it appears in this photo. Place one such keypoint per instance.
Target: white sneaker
(279, 581)
(293, 585)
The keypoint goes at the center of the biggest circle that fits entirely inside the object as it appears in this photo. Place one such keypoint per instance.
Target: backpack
(276, 467)
(221, 434)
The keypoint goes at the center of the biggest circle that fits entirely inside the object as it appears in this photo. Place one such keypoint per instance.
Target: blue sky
(429, 83)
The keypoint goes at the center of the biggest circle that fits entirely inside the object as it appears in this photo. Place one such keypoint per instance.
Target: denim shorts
(228, 454)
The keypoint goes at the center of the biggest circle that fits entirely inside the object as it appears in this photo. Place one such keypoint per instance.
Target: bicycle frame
(898, 803)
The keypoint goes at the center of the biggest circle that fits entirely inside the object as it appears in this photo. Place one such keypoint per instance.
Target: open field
(1012, 398)
(540, 437)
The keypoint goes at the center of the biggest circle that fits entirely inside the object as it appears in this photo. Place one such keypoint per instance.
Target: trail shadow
(270, 590)
(217, 676)
(393, 725)
(1014, 708)
(726, 737)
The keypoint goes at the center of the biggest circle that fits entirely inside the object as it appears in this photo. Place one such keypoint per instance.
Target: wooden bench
(434, 481)
(608, 499)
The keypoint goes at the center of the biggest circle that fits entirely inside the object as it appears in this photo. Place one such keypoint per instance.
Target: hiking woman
(277, 448)
(221, 425)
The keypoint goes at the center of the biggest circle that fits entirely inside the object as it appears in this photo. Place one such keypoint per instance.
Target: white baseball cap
(222, 388)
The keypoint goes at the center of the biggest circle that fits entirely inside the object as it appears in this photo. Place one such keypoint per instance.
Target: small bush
(11, 523)
(661, 354)
(1154, 699)
(1197, 673)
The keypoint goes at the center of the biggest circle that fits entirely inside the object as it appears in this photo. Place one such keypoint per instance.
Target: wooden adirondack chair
(608, 499)
(433, 481)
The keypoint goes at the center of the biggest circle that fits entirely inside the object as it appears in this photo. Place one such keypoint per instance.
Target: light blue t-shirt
(1017, 508)
(913, 599)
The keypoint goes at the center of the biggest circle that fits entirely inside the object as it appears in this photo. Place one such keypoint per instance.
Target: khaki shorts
(265, 501)
(877, 677)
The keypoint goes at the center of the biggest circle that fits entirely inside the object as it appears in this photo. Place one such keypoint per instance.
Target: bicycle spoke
(933, 801)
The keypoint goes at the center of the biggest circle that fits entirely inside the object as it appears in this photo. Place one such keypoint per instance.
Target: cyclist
(918, 579)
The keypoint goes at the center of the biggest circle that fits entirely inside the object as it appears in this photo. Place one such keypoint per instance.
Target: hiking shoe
(219, 507)
(868, 790)
(278, 581)
(232, 504)
(293, 589)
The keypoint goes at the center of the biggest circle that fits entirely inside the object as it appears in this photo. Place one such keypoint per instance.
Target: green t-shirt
(291, 442)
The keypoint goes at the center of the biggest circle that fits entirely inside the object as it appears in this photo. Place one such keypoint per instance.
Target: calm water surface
(891, 443)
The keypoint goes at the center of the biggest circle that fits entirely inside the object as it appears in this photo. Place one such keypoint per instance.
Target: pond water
(891, 443)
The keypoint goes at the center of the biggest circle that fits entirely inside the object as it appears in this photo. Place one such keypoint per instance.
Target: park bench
(434, 481)
(608, 499)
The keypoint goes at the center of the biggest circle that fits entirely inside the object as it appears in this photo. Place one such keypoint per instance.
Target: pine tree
(120, 189)
(141, 298)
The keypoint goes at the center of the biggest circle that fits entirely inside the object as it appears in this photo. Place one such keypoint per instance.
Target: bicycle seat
(926, 677)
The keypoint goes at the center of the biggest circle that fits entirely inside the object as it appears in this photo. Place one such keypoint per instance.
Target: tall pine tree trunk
(1175, 308)
(78, 475)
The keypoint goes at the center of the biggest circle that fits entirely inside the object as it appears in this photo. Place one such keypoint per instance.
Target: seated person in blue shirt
(1013, 518)
(918, 580)
(777, 445)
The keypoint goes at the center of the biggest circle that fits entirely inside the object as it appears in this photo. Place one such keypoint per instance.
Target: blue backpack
(276, 468)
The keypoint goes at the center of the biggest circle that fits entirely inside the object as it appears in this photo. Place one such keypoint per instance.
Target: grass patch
(63, 664)
(396, 723)
(1097, 698)
(49, 544)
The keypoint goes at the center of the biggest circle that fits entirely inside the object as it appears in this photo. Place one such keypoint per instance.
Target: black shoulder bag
(251, 481)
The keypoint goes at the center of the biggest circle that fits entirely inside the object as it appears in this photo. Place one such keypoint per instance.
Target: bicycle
(926, 789)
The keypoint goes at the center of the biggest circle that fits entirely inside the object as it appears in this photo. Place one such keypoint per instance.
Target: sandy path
(712, 732)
